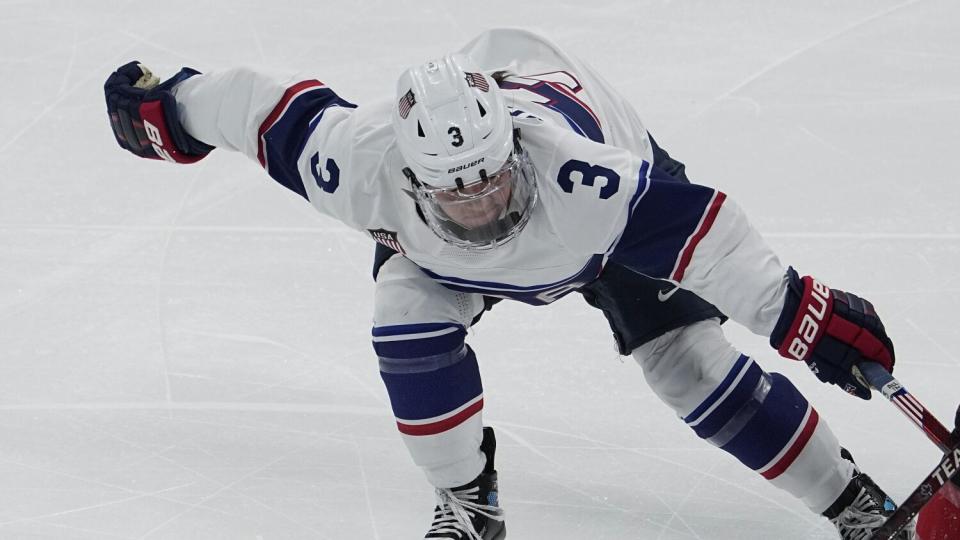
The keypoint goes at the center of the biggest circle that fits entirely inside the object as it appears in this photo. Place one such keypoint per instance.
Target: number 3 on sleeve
(588, 176)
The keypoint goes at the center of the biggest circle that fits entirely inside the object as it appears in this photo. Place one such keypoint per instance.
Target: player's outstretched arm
(700, 239)
(272, 120)
(728, 263)
(832, 331)
(143, 115)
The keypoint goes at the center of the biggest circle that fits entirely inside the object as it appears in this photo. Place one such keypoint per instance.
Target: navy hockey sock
(760, 418)
(435, 390)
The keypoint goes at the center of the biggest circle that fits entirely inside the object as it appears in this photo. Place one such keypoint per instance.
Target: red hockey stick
(907, 403)
(935, 431)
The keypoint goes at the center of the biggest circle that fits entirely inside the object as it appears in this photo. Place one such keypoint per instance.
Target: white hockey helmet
(472, 181)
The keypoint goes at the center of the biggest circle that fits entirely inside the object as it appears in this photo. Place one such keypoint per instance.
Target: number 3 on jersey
(588, 175)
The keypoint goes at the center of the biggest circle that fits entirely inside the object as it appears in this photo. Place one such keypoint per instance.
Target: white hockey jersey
(600, 195)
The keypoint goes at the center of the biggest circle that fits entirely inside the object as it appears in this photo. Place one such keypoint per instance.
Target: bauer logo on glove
(807, 332)
(143, 115)
(832, 331)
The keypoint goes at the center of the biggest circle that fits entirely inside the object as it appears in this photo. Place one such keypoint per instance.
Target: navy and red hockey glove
(143, 115)
(832, 331)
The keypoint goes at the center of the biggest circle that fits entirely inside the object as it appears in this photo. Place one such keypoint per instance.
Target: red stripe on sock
(797, 447)
(440, 426)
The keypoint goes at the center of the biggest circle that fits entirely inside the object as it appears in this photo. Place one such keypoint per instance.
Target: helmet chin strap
(411, 177)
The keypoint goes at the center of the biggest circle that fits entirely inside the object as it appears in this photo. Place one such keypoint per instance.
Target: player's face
(484, 213)
(477, 204)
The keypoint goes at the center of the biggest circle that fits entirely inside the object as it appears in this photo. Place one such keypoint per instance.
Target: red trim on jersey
(563, 89)
(787, 460)
(440, 426)
(277, 112)
(702, 229)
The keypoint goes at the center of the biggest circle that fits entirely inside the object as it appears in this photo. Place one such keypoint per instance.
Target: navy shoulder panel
(285, 131)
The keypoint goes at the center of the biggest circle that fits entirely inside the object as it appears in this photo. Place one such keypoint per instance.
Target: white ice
(184, 351)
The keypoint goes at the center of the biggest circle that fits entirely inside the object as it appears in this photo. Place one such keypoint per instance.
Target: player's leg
(762, 420)
(433, 381)
(723, 395)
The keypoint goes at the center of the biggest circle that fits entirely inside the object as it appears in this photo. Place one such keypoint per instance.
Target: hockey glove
(143, 115)
(832, 331)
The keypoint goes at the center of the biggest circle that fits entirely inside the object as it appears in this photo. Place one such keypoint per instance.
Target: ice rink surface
(184, 351)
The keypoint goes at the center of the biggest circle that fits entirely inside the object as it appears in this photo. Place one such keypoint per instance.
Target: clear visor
(485, 212)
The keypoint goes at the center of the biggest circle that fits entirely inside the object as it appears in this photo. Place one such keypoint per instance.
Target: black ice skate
(862, 508)
(471, 511)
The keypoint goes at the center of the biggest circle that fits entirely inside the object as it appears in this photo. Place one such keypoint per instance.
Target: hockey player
(512, 170)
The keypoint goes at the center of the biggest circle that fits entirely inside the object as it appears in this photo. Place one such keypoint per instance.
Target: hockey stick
(943, 473)
(911, 407)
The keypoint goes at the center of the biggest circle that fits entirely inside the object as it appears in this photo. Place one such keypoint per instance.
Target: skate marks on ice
(678, 514)
(150, 391)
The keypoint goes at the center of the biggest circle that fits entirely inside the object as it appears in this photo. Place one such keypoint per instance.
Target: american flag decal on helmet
(477, 81)
(387, 238)
(406, 103)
